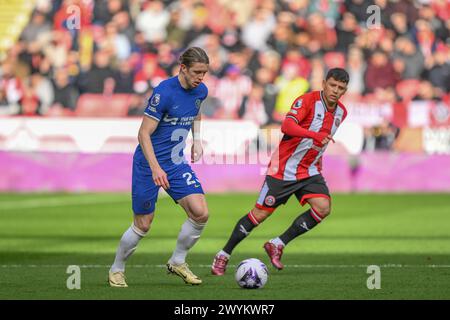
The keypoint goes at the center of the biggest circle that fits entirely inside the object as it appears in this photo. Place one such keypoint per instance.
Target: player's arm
(197, 149)
(291, 124)
(148, 126)
(291, 127)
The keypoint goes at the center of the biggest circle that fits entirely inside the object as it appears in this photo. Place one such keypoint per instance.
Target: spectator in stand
(356, 68)
(317, 74)
(399, 24)
(153, 21)
(329, 9)
(150, 75)
(281, 39)
(265, 78)
(43, 89)
(380, 72)
(320, 32)
(124, 77)
(358, 8)
(199, 26)
(30, 105)
(290, 86)
(124, 26)
(346, 31)
(258, 29)
(11, 85)
(38, 26)
(66, 94)
(427, 92)
(425, 38)
(117, 44)
(252, 107)
(231, 90)
(93, 81)
(439, 73)
(104, 10)
(380, 137)
(411, 58)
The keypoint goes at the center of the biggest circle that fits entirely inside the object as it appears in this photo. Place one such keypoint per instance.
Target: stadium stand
(88, 58)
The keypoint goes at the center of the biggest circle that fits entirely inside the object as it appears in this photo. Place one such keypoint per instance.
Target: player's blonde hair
(192, 55)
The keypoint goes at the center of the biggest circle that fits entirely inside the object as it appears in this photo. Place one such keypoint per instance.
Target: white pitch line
(101, 266)
(58, 202)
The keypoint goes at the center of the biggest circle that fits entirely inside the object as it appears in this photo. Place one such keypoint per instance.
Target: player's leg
(187, 191)
(242, 229)
(273, 193)
(315, 193)
(191, 230)
(319, 210)
(197, 215)
(127, 245)
(144, 197)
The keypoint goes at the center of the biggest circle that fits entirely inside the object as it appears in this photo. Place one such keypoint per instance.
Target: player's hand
(196, 151)
(323, 138)
(160, 178)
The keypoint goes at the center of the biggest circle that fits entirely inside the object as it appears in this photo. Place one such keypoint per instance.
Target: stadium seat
(407, 89)
(97, 105)
(59, 112)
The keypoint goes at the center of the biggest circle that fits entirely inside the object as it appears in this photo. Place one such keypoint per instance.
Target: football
(251, 274)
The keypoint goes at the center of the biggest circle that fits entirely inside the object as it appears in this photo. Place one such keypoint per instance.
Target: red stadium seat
(98, 105)
(407, 89)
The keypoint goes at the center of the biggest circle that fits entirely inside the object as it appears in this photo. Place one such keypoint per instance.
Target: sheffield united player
(295, 168)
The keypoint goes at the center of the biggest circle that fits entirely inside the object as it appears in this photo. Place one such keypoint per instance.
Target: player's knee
(142, 224)
(260, 215)
(141, 229)
(322, 210)
(200, 215)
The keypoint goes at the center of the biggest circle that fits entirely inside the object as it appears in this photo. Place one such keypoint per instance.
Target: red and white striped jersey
(299, 158)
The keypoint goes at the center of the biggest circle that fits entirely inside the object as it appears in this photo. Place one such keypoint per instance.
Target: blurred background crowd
(263, 53)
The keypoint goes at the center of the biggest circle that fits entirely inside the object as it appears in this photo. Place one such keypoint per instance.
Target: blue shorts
(144, 194)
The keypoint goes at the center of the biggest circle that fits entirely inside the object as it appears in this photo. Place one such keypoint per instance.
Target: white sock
(277, 241)
(188, 236)
(127, 246)
(223, 253)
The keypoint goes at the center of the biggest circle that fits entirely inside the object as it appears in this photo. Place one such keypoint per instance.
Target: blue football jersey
(175, 108)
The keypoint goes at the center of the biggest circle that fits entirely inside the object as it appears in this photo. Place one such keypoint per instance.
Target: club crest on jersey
(155, 100)
(337, 122)
(198, 102)
(298, 104)
(269, 200)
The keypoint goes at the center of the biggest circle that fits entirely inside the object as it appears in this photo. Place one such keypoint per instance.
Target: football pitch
(406, 235)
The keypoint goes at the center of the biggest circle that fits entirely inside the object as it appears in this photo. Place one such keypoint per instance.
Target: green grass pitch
(406, 235)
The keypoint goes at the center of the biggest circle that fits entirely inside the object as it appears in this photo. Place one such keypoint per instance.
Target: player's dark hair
(192, 55)
(338, 74)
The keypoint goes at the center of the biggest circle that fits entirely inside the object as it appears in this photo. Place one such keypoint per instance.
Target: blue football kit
(175, 108)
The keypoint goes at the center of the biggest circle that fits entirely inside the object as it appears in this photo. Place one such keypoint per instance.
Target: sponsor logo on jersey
(337, 122)
(171, 120)
(155, 100)
(198, 102)
(269, 201)
(298, 104)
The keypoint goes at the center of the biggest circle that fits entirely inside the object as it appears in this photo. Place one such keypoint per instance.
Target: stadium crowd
(263, 53)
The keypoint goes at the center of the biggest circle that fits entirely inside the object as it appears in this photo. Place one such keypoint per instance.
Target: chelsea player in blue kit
(172, 111)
